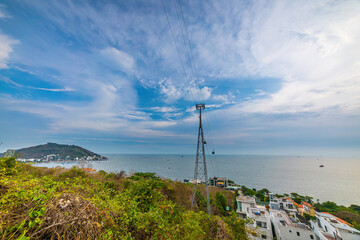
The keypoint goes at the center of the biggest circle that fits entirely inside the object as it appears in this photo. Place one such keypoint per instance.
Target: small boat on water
(321, 165)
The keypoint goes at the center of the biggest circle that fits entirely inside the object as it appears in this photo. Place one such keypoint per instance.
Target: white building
(282, 204)
(260, 218)
(330, 227)
(244, 204)
(288, 227)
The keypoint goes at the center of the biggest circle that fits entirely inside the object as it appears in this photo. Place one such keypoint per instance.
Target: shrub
(8, 166)
(139, 175)
(74, 172)
(221, 202)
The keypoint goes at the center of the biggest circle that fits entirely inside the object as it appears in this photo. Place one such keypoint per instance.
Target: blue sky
(278, 77)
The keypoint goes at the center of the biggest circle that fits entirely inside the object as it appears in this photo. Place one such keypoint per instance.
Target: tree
(220, 200)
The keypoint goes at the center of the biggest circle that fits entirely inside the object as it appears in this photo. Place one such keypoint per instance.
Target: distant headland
(54, 152)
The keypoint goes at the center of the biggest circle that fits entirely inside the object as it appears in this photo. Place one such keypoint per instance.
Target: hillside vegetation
(57, 203)
(53, 148)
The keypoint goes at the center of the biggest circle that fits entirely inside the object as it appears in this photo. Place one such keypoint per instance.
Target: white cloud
(311, 46)
(121, 59)
(9, 81)
(3, 13)
(175, 90)
(164, 109)
(224, 98)
(5, 49)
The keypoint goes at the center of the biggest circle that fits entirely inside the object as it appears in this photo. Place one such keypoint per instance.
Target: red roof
(307, 204)
(296, 204)
(339, 219)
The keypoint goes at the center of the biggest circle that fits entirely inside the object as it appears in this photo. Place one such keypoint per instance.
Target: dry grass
(69, 217)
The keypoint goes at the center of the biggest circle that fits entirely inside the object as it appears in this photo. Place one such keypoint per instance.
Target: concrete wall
(349, 236)
(289, 233)
(327, 227)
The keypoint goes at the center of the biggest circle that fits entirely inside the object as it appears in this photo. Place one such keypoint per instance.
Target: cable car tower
(200, 173)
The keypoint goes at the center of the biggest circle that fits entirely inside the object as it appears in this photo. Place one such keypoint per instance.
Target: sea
(338, 181)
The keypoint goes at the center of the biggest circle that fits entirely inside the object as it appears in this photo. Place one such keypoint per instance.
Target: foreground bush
(41, 203)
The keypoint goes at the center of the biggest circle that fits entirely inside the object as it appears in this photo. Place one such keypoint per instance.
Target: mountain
(53, 148)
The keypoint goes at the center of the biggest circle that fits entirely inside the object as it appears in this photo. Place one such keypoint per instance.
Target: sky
(277, 77)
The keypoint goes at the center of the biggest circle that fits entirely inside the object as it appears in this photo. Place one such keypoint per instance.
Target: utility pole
(200, 172)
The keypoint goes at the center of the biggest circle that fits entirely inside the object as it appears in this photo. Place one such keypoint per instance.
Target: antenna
(200, 172)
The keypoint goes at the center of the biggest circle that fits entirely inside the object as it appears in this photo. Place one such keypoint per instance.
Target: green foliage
(236, 226)
(309, 217)
(221, 202)
(355, 208)
(74, 172)
(8, 166)
(140, 176)
(264, 190)
(248, 191)
(231, 181)
(299, 198)
(140, 207)
(327, 207)
(200, 200)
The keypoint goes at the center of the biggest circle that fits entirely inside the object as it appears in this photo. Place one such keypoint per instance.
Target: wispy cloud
(9, 81)
(121, 68)
(6, 47)
(121, 59)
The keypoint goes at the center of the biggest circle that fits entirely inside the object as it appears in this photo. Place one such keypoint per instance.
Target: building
(330, 227)
(286, 204)
(307, 208)
(244, 204)
(196, 181)
(219, 182)
(260, 223)
(287, 226)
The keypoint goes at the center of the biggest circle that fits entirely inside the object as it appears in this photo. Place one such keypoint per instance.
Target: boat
(321, 165)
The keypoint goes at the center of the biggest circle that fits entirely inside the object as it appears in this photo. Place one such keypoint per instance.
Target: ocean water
(337, 181)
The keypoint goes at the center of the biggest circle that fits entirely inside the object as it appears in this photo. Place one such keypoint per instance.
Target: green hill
(53, 148)
(58, 203)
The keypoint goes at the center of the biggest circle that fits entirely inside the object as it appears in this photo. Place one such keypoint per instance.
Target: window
(311, 236)
(318, 221)
(325, 228)
(263, 236)
(290, 231)
(297, 233)
(261, 224)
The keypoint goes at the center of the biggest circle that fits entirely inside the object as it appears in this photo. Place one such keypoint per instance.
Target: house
(287, 226)
(259, 217)
(330, 227)
(244, 204)
(307, 208)
(286, 204)
(196, 181)
(219, 182)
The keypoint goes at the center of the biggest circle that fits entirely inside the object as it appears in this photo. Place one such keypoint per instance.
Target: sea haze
(337, 181)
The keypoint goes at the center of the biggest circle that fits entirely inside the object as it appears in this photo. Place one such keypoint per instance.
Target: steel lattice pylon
(200, 173)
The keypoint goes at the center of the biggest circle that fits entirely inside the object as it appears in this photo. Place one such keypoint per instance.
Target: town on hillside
(58, 158)
(281, 218)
